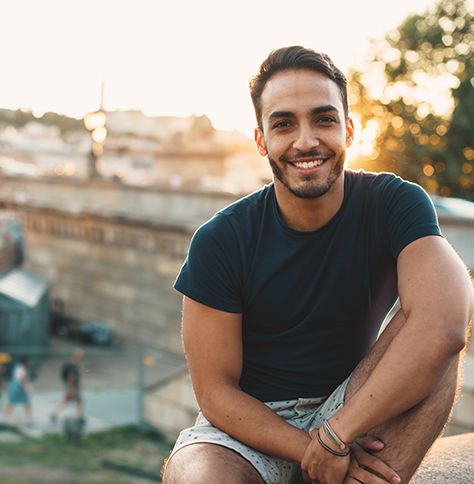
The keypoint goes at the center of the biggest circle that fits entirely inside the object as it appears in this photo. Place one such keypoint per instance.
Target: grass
(125, 445)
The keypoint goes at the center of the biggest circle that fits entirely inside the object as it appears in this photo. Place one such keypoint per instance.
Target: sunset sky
(171, 58)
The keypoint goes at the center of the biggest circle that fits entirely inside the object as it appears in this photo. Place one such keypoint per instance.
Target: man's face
(305, 133)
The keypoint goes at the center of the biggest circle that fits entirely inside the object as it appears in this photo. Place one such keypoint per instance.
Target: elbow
(456, 324)
(454, 334)
(456, 341)
(213, 402)
(206, 404)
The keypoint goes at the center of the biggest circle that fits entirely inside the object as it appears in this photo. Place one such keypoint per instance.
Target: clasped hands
(321, 467)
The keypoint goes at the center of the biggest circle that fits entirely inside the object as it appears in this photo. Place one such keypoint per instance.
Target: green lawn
(81, 462)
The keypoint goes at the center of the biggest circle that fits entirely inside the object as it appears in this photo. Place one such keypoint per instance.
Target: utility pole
(95, 122)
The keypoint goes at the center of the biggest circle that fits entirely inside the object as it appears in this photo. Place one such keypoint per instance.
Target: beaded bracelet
(325, 447)
(333, 436)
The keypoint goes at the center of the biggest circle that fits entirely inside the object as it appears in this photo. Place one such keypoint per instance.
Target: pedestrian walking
(70, 374)
(19, 391)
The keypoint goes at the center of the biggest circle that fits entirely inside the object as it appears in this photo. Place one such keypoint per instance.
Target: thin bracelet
(325, 447)
(333, 436)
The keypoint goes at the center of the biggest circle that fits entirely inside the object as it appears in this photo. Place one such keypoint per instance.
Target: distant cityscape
(178, 153)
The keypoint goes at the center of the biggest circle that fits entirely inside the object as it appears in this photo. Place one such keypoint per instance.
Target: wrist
(335, 433)
(328, 444)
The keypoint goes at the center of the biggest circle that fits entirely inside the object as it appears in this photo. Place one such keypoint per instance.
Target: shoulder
(238, 215)
(378, 181)
(386, 187)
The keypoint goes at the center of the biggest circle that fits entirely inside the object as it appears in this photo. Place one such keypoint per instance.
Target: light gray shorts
(302, 413)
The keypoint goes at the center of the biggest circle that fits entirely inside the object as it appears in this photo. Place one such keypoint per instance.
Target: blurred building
(168, 151)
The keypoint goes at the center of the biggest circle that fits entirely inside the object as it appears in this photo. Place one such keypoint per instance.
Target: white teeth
(310, 164)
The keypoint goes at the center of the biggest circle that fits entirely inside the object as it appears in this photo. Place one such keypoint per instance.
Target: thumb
(313, 431)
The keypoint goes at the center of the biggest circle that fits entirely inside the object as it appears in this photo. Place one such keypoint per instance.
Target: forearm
(410, 368)
(213, 343)
(253, 423)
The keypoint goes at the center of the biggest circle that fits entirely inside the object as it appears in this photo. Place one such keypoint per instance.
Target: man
(70, 375)
(285, 292)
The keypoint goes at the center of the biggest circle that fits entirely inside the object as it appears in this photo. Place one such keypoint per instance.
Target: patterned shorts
(302, 413)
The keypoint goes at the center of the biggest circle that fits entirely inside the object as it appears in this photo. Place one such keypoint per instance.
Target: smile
(308, 164)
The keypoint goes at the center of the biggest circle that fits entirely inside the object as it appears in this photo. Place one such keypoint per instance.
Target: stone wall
(172, 407)
(111, 252)
(111, 273)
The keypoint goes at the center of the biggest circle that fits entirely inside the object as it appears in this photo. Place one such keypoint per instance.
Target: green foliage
(414, 96)
(20, 118)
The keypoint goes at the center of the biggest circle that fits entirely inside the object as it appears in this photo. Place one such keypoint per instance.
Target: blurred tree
(20, 118)
(413, 95)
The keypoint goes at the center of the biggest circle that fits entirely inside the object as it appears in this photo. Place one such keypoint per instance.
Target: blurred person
(285, 292)
(19, 391)
(70, 375)
(2, 370)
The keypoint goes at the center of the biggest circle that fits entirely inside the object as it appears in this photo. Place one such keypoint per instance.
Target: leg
(208, 463)
(59, 408)
(79, 409)
(409, 436)
(28, 412)
(7, 412)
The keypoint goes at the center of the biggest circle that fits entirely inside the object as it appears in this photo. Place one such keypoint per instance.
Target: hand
(362, 467)
(366, 468)
(320, 466)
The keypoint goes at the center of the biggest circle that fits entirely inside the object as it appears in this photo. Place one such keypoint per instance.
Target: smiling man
(285, 293)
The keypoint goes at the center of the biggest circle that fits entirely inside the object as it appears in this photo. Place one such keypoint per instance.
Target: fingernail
(396, 480)
(312, 428)
(378, 442)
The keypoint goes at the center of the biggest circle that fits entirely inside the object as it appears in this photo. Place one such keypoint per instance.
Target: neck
(308, 214)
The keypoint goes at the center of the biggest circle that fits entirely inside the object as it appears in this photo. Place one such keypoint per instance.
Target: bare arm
(436, 296)
(213, 344)
(24, 381)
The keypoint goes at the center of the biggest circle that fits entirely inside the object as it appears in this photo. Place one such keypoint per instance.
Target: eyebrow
(289, 114)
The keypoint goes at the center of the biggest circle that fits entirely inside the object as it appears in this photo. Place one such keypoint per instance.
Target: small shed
(24, 309)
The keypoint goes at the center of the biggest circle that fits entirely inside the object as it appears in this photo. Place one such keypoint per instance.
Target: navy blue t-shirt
(311, 302)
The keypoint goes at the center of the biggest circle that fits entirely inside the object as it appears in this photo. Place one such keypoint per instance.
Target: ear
(349, 132)
(259, 143)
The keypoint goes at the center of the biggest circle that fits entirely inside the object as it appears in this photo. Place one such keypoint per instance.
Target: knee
(185, 467)
(207, 463)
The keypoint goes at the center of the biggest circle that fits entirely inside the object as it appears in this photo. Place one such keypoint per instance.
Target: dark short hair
(295, 58)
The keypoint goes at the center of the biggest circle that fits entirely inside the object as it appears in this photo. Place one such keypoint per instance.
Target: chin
(309, 188)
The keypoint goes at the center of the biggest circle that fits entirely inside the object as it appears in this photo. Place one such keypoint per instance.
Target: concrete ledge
(451, 461)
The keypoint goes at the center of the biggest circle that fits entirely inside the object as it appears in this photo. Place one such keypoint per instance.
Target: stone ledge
(451, 461)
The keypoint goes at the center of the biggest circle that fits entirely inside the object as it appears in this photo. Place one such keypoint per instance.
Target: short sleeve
(212, 271)
(408, 214)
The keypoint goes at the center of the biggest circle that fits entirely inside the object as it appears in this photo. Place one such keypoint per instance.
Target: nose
(306, 138)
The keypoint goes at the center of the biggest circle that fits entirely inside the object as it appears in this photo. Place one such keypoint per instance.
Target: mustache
(300, 155)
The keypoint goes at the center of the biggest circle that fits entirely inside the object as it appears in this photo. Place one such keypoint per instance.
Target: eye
(282, 125)
(326, 120)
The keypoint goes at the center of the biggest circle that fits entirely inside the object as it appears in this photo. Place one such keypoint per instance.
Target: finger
(370, 442)
(352, 480)
(306, 477)
(373, 464)
(366, 477)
